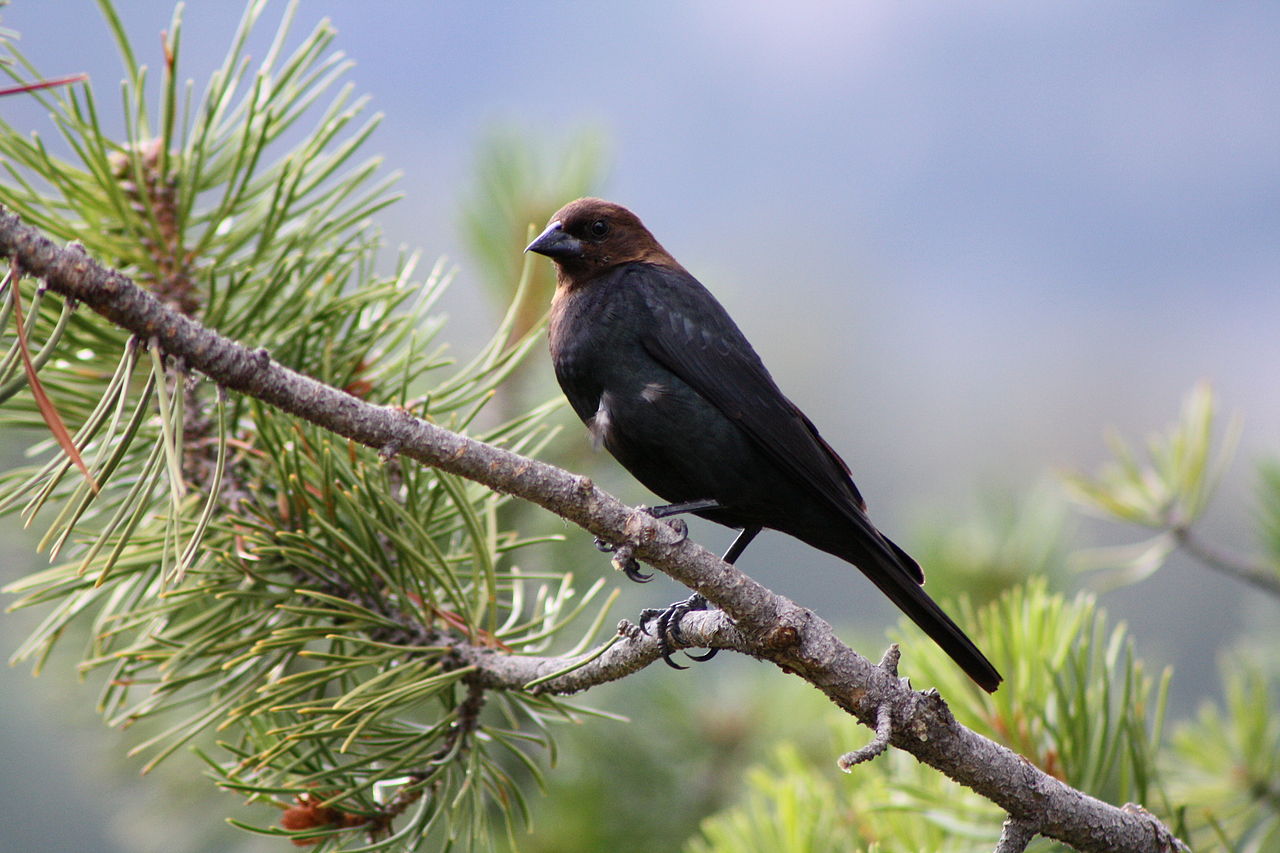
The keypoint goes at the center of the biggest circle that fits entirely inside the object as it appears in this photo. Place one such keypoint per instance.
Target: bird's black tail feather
(898, 576)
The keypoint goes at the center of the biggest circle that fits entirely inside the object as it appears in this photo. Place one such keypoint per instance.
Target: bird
(667, 383)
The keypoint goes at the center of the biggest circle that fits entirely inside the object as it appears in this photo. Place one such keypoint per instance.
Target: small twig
(889, 661)
(1015, 835)
(1161, 834)
(629, 652)
(884, 731)
(623, 558)
(1256, 572)
(468, 715)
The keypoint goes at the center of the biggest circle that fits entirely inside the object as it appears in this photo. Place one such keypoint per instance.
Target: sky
(967, 238)
(995, 228)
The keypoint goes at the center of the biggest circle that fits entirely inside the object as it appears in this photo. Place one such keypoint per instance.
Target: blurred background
(966, 240)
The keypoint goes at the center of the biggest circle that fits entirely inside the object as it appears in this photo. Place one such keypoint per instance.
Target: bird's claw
(623, 561)
(668, 627)
(633, 573)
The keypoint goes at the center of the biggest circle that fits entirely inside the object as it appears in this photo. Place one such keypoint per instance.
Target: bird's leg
(679, 509)
(668, 619)
(623, 559)
(740, 544)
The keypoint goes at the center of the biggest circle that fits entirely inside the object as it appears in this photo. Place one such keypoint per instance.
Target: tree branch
(1014, 836)
(1256, 572)
(561, 676)
(764, 624)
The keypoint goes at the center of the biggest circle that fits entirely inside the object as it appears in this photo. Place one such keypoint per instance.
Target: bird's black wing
(693, 336)
(696, 339)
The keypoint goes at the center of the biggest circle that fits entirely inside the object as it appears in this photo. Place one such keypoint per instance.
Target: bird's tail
(899, 577)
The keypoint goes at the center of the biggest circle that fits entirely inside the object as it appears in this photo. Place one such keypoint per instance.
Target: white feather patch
(652, 392)
(601, 422)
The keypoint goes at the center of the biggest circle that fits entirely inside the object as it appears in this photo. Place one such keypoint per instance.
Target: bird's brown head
(590, 236)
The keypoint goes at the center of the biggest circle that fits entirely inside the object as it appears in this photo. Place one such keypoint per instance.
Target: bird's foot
(679, 526)
(668, 512)
(622, 559)
(668, 627)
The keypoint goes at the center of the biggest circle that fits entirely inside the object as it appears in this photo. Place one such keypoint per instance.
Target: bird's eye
(599, 228)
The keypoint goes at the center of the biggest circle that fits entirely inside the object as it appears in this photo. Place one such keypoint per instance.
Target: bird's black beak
(556, 243)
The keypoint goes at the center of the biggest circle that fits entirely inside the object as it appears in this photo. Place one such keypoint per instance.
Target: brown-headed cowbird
(667, 383)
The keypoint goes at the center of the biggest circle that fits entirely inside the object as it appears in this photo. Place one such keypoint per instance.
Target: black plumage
(669, 385)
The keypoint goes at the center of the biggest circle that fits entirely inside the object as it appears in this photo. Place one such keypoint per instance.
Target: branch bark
(754, 620)
(1014, 837)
